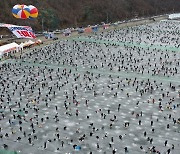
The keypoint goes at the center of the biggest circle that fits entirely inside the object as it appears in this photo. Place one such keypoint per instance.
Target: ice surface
(73, 88)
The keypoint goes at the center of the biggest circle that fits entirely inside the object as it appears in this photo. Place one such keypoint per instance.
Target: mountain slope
(66, 13)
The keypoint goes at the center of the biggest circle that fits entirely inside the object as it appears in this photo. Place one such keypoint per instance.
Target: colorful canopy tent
(174, 16)
(8, 48)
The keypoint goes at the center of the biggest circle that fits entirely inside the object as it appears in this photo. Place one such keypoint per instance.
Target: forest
(59, 14)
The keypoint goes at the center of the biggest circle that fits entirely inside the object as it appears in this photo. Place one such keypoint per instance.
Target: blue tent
(95, 29)
(77, 148)
(80, 30)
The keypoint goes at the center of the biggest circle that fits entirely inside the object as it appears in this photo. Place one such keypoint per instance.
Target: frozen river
(113, 92)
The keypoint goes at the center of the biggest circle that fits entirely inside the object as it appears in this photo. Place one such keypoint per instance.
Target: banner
(20, 31)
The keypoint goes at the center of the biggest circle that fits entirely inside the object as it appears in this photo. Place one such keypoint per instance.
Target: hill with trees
(58, 14)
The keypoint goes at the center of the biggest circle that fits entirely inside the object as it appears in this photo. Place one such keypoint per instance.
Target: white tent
(39, 41)
(27, 43)
(31, 42)
(174, 16)
(12, 47)
(21, 45)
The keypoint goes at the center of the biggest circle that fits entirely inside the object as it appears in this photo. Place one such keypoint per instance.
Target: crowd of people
(95, 97)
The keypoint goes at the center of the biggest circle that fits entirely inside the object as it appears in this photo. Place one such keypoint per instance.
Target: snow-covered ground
(102, 92)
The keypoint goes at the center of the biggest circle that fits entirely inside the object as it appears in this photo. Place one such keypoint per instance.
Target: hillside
(67, 13)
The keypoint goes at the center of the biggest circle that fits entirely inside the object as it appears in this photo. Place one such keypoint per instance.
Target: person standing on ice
(126, 149)
(45, 145)
(165, 143)
(168, 151)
